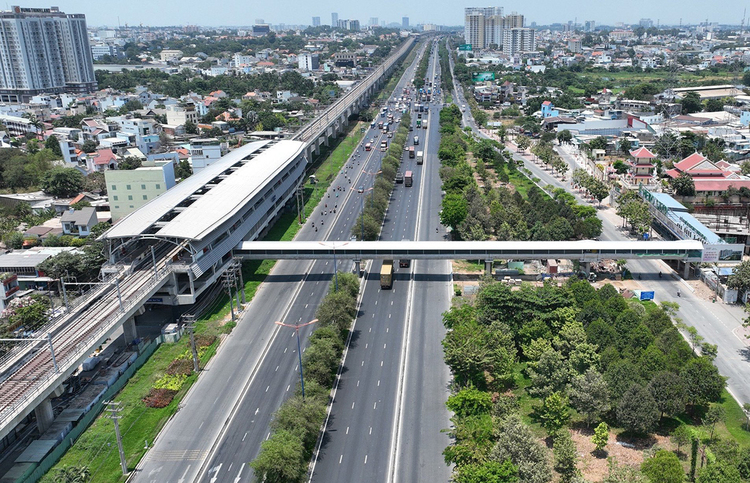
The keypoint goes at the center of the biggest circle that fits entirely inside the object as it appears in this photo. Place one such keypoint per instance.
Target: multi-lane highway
(227, 413)
(389, 406)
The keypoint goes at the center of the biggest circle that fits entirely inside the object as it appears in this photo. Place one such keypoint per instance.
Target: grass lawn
(96, 448)
(520, 182)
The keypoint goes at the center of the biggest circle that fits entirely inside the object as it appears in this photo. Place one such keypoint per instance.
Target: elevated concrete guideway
(584, 250)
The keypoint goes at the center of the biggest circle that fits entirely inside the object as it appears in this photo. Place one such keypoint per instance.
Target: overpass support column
(130, 331)
(44, 415)
(488, 267)
(586, 268)
(686, 271)
(358, 266)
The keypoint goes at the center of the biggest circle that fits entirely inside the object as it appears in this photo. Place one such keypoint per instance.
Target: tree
(663, 467)
(715, 414)
(72, 474)
(668, 392)
(719, 472)
(13, 239)
(53, 144)
(703, 383)
(564, 136)
(517, 443)
(95, 183)
(684, 185)
(480, 355)
(550, 374)
(566, 457)
(130, 163)
(190, 128)
(301, 417)
(691, 103)
(62, 182)
(623, 474)
(682, 435)
(502, 133)
(183, 170)
(637, 411)
(740, 277)
(455, 209)
(470, 402)
(89, 146)
(281, 459)
(554, 413)
(523, 143)
(589, 395)
(601, 436)
(713, 105)
(489, 471)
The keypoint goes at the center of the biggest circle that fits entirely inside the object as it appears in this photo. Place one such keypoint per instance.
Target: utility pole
(189, 321)
(114, 409)
(228, 281)
(238, 262)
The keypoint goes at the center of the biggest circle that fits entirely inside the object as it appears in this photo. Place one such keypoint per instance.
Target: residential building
(513, 21)
(518, 40)
(239, 60)
(575, 46)
(345, 59)
(308, 61)
(373, 22)
(128, 190)
(334, 20)
(178, 115)
(100, 50)
(316, 21)
(168, 55)
(25, 264)
(589, 25)
(204, 152)
(79, 222)
(18, 126)
(261, 29)
(144, 131)
(483, 26)
(405, 22)
(348, 24)
(8, 287)
(43, 50)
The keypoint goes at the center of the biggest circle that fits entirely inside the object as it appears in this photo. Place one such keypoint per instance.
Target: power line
(114, 409)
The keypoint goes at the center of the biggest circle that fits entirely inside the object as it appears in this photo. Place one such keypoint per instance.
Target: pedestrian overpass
(585, 251)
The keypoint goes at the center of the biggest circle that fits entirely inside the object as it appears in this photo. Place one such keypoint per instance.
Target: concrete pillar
(686, 271)
(358, 267)
(130, 330)
(488, 267)
(585, 267)
(44, 416)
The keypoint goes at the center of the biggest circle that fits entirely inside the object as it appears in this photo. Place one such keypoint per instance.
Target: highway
(717, 323)
(389, 405)
(226, 415)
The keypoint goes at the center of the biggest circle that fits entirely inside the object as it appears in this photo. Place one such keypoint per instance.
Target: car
(361, 189)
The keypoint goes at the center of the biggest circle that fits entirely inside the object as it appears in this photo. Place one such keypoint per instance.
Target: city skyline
(442, 12)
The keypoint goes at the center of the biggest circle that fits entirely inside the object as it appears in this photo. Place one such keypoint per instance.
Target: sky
(441, 12)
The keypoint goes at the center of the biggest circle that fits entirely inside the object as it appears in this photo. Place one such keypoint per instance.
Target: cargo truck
(420, 157)
(408, 178)
(386, 274)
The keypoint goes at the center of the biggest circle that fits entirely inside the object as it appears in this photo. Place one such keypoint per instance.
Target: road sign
(647, 295)
(465, 47)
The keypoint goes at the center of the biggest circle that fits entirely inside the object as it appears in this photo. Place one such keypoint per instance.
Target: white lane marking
(370, 429)
(352, 405)
(365, 459)
(256, 411)
(347, 430)
(237, 478)
(341, 458)
(287, 388)
(243, 438)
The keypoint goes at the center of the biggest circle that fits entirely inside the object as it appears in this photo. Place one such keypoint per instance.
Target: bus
(386, 274)
(411, 152)
(408, 178)
(368, 147)
(420, 157)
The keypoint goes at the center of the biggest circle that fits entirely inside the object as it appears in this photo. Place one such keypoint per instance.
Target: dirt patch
(626, 451)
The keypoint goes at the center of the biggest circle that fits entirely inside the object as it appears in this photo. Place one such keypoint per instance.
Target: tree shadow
(635, 441)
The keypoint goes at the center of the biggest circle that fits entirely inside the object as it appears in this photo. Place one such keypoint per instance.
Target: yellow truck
(386, 274)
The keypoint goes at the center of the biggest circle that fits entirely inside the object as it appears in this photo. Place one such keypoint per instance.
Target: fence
(34, 474)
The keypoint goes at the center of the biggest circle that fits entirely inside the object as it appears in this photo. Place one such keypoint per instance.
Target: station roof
(219, 203)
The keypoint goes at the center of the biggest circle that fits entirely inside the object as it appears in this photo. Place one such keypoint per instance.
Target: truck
(419, 124)
(399, 177)
(408, 178)
(383, 145)
(411, 152)
(368, 147)
(386, 275)
(420, 157)
(424, 124)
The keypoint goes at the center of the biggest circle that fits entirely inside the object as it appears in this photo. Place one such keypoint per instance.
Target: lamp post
(299, 350)
(335, 265)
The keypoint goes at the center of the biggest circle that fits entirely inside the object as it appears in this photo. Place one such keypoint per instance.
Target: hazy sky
(445, 12)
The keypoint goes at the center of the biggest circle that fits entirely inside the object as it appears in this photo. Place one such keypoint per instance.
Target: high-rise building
(308, 61)
(517, 40)
(589, 26)
(348, 24)
(404, 22)
(316, 22)
(334, 19)
(513, 21)
(373, 22)
(43, 50)
(646, 23)
(483, 26)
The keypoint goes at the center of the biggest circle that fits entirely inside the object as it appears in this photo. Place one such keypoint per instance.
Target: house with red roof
(101, 160)
(710, 179)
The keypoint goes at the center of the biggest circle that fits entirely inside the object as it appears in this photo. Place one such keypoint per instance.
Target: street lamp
(335, 265)
(299, 351)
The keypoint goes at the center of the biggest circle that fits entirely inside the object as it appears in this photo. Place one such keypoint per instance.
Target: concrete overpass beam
(44, 415)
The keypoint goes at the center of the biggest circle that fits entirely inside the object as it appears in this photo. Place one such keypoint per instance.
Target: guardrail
(335, 109)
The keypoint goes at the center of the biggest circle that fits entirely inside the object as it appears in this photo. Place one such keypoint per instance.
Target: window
(132, 206)
(130, 197)
(114, 187)
(115, 197)
(145, 197)
(127, 187)
(143, 186)
(158, 186)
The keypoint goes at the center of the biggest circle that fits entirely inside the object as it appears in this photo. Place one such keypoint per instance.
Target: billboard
(647, 295)
(465, 47)
(722, 252)
(483, 76)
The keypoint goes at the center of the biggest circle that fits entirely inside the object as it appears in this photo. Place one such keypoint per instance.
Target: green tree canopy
(62, 182)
